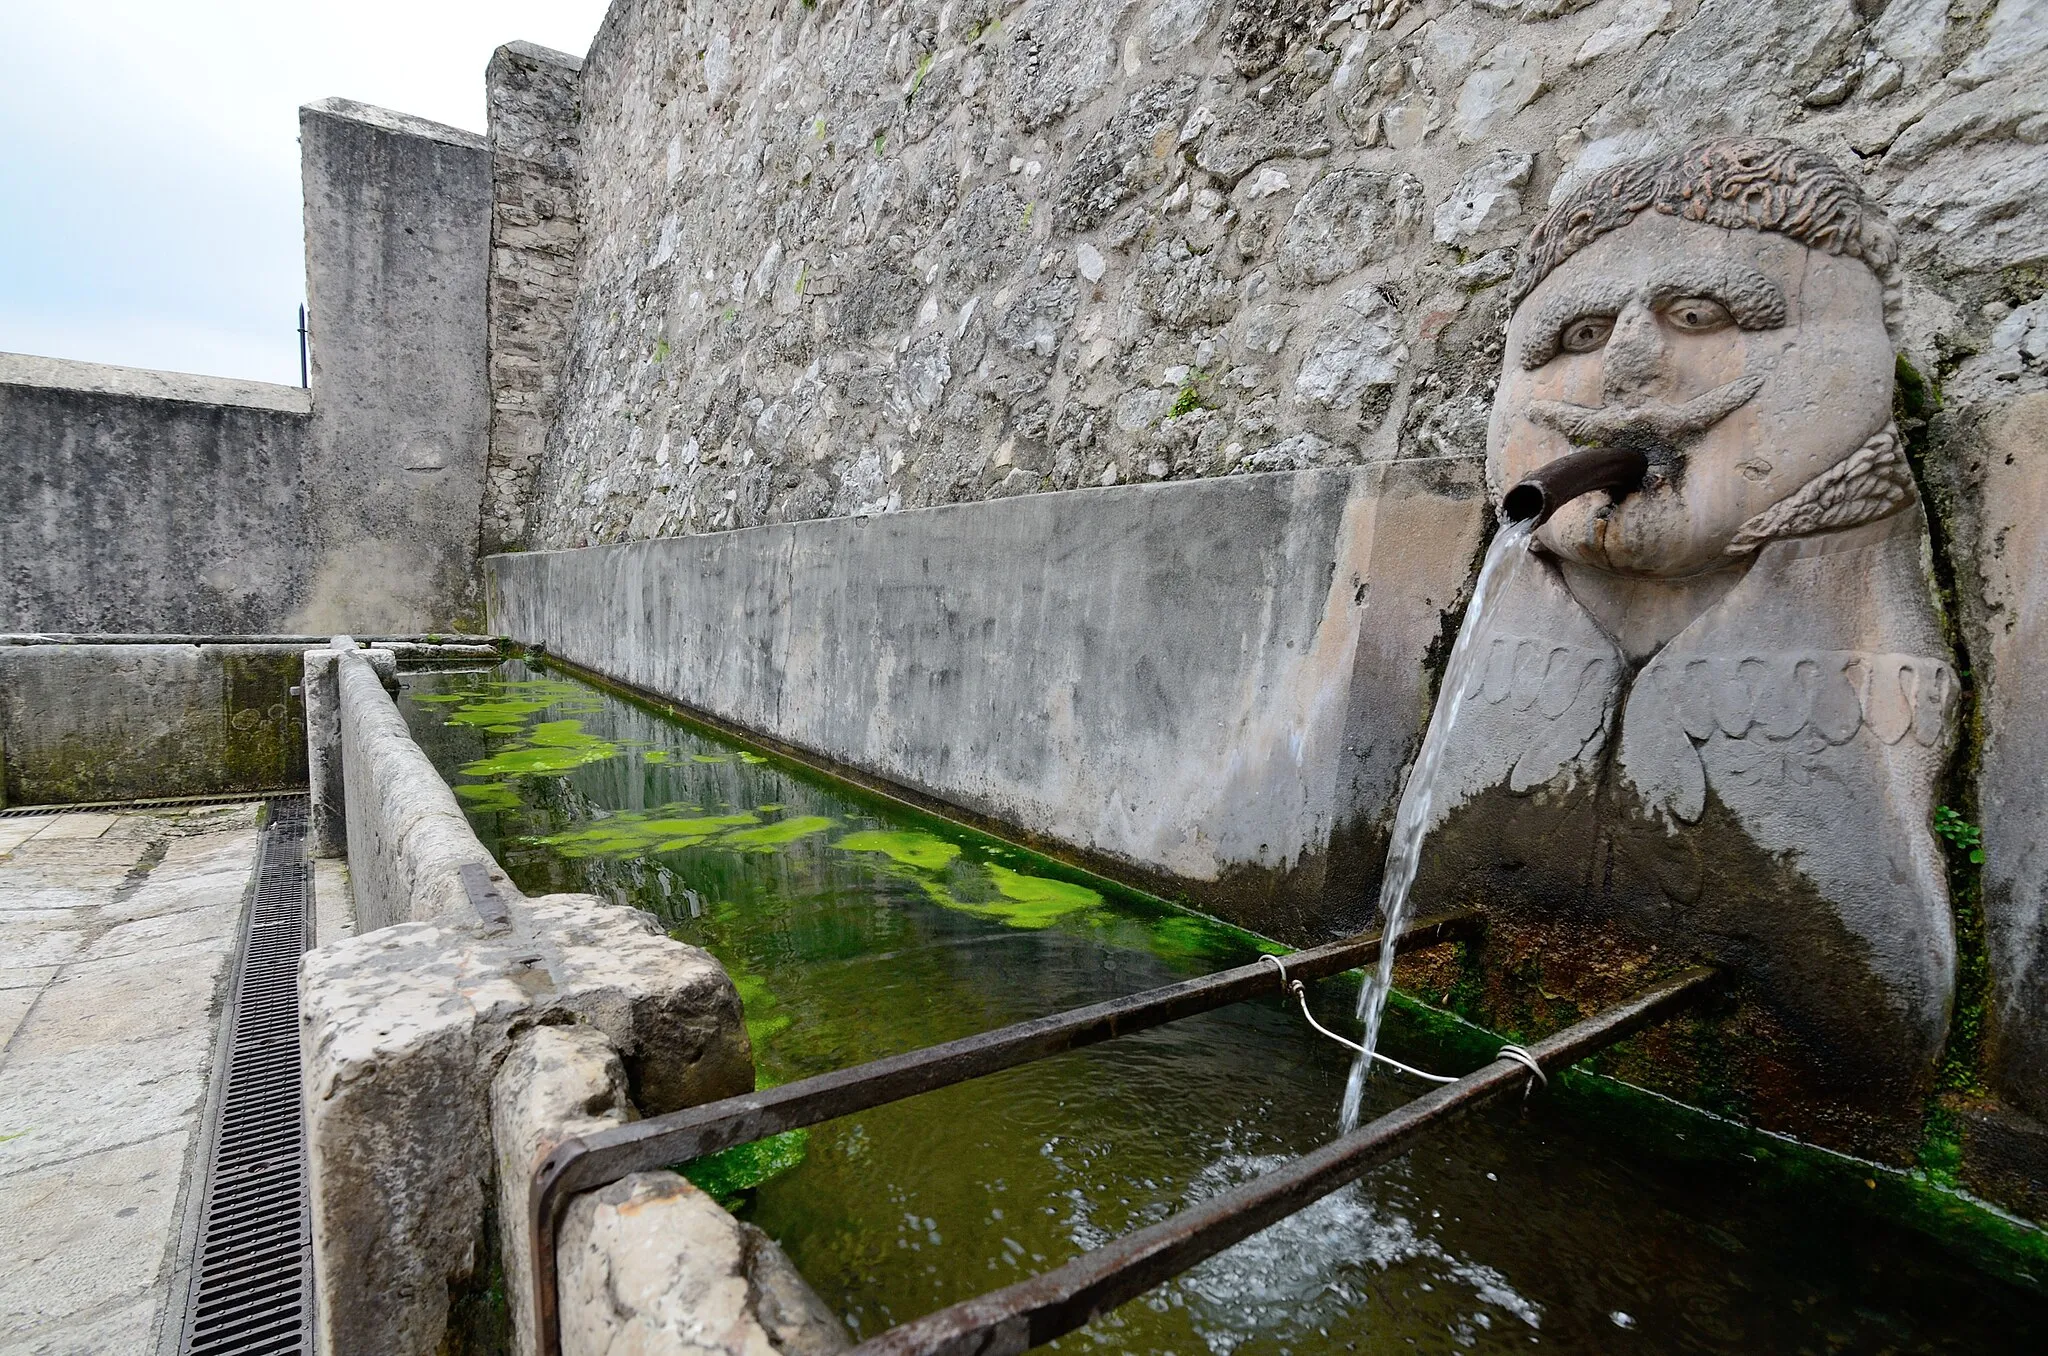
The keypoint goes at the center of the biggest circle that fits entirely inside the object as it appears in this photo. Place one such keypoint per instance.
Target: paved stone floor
(116, 934)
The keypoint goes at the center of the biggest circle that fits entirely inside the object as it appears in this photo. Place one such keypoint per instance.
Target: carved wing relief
(1557, 698)
(1789, 708)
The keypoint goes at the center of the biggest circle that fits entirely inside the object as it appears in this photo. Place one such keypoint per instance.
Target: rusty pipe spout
(1548, 488)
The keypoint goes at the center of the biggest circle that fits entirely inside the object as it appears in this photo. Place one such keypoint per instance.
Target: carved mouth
(1653, 428)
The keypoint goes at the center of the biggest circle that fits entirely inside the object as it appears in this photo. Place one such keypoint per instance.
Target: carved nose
(1634, 356)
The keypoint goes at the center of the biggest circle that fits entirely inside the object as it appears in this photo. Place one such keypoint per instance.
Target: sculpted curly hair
(1740, 183)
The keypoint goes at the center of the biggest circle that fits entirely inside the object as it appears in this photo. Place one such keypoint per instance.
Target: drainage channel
(252, 1268)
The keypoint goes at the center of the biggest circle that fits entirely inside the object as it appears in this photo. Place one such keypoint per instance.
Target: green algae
(771, 836)
(709, 758)
(1037, 901)
(906, 847)
(553, 747)
(490, 796)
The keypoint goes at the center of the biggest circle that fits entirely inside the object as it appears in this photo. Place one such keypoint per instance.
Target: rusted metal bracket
(1035, 1311)
(585, 1164)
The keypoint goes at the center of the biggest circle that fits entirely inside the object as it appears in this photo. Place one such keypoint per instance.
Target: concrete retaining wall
(149, 501)
(85, 722)
(1211, 683)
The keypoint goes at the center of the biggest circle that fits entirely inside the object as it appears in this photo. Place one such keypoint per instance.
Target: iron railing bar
(585, 1164)
(1037, 1310)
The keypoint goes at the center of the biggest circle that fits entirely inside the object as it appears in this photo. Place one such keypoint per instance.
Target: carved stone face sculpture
(1713, 319)
(1743, 364)
(1706, 720)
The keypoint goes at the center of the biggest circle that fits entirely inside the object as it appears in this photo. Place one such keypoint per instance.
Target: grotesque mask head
(1723, 311)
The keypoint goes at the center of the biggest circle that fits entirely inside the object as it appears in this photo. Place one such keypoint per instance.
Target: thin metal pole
(305, 364)
(599, 1159)
(1035, 1311)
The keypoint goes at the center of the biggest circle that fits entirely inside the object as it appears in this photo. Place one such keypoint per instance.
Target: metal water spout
(1617, 470)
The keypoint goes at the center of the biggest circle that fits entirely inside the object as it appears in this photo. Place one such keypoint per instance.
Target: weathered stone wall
(147, 501)
(397, 250)
(855, 256)
(1212, 686)
(122, 722)
(532, 98)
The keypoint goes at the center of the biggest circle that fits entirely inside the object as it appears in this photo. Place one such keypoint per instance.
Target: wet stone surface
(856, 928)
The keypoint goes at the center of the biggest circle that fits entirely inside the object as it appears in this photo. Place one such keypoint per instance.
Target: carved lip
(1597, 425)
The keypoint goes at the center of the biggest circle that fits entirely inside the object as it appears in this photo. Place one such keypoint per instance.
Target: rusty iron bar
(596, 1160)
(1035, 1311)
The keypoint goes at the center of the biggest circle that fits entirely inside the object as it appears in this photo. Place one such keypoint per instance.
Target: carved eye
(1697, 315)
(1586, 333)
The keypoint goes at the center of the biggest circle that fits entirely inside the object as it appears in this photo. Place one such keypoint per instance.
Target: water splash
(1404, 852)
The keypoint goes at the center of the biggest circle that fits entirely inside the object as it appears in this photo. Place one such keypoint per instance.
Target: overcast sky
(149, 159)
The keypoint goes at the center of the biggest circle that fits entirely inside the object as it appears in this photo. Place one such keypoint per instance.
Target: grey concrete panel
(397, 216)
(1207, 682)
(147, 501)
(117, 722)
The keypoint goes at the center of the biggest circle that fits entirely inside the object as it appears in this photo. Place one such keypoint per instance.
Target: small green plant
(1189, 398)
(881, 140)
(661, 350)
(924, 68)
(1961, 834)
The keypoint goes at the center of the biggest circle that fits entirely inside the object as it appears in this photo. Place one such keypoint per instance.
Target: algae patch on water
(553, 746)
(907, 847)
(771, 836)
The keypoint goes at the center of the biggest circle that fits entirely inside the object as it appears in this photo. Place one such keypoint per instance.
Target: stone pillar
(536, 235)
(397, 214)
(327, 799)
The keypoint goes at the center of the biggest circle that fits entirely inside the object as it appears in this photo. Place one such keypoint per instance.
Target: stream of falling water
(1404, 851)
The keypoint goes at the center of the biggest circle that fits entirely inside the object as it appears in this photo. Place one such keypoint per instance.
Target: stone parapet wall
(845, 257)
(147, 501)
(407, 837)
(1214, 685)
(94, 722)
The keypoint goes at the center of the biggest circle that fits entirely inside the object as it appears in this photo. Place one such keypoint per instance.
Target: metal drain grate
(157, 803)
(251, 1284)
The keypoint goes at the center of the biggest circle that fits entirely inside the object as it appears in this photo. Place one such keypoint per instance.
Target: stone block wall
(143, 501)
(846, 257)
(532, 97)
(397, 229)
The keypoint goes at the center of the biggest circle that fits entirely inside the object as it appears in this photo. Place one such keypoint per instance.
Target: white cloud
(149, 189)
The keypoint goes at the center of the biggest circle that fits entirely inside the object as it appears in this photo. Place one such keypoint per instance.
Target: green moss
(661, 350)
(924, 851)
(730, 1174)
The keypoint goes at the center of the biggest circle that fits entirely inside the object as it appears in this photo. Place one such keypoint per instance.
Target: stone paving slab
(79, 826)
(118, 930)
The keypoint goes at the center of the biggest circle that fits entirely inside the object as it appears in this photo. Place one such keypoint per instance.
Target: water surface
(855, 927)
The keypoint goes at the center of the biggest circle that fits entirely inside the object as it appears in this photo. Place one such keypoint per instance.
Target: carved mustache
(1595, 424)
